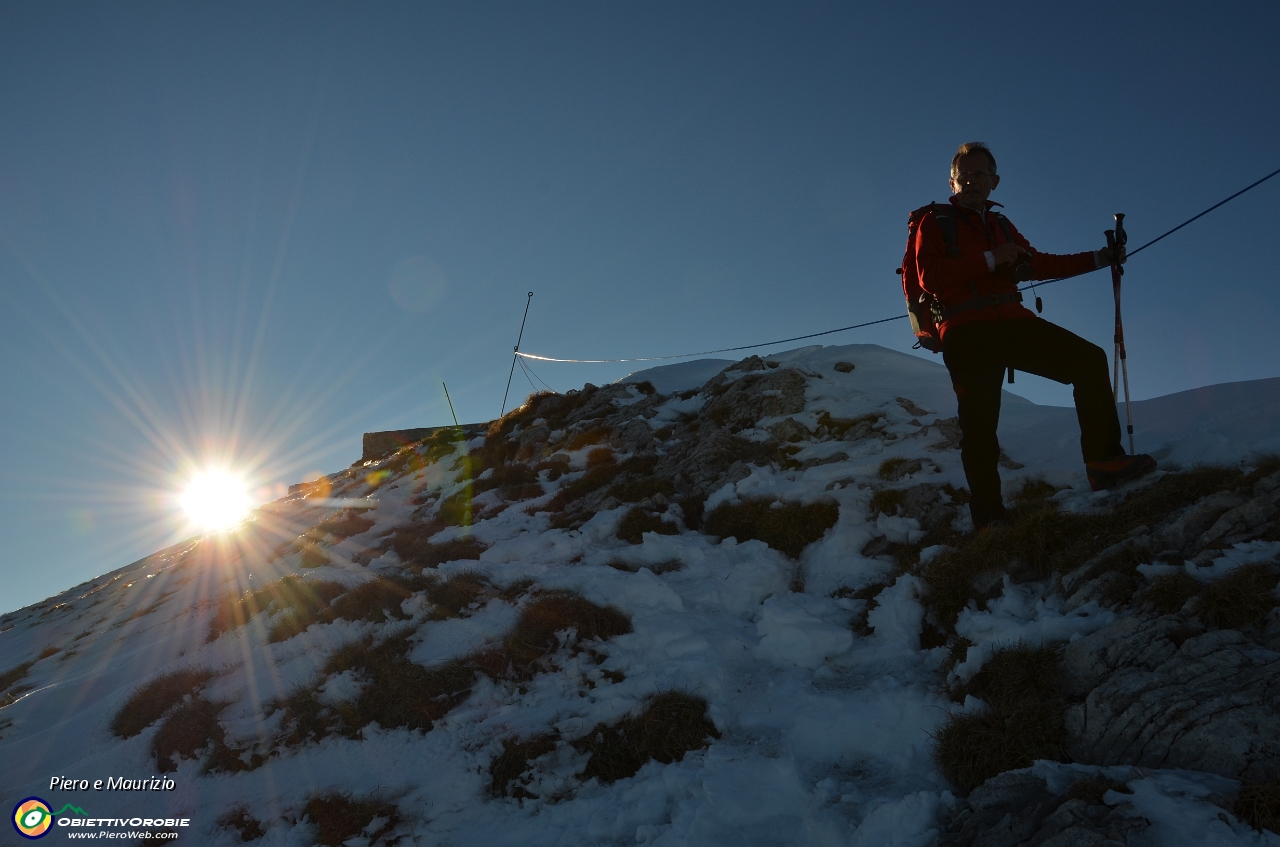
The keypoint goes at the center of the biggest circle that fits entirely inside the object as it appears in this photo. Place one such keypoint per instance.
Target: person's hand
(1007, 253)
(1108, 255)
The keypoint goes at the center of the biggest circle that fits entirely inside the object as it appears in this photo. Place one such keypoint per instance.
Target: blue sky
(249, 232)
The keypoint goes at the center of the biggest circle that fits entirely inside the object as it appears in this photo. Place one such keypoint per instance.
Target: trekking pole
(1116, 239)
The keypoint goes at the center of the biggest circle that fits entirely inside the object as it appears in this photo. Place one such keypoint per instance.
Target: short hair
(972, 147)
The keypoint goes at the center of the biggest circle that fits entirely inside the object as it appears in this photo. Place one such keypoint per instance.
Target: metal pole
(514, 356)
(451, 411)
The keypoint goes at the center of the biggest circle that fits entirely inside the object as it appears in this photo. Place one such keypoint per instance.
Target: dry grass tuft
(635, 489)
(346, 524)
(374, 600)
(239, 821)
(1014, 675)
(599, 457)
(586, 437)
(1024, 722)
(398, 692)
(886, 501)
(672, 724)
(187, 730)
(1092, 789)
(338, 818)
(513, 761)
(313, 556)
(693, 507)
(150, 702)
(456, 509)
(534, 635)
(890, 468)
(304, 603)
(597, 476)
(1242, 598)
(417, 552)
(14, 675)
(1259, 806)
(455, 595)
(511, 480)
(527, 412)
(1168, 593)
(657, 568)
(636, 522)
(867, 593)
(1033, 491)
(788, 528)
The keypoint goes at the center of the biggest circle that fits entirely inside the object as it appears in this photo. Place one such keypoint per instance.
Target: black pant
(977, 355)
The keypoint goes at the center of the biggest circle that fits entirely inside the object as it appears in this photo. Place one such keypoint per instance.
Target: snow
(1022, 615)
(825, 734)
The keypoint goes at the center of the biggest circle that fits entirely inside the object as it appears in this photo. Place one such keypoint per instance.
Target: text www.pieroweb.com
(103, 834)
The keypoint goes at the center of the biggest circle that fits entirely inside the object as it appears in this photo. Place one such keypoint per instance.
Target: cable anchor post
(1116, 240)
(515, 354)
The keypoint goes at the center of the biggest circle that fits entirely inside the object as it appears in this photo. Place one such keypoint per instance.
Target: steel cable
(1032, 286)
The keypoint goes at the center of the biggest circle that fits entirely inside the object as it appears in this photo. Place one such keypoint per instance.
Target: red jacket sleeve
(955, 279)
(1054, 265)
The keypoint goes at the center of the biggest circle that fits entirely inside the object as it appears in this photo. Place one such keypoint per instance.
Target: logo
(32, 817)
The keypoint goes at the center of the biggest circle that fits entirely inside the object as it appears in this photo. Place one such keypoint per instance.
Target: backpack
(922, 307)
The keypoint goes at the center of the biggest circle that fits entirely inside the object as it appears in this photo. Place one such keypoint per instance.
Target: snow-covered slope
(819, 705)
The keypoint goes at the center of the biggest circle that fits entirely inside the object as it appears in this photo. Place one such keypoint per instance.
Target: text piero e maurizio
(115, 783)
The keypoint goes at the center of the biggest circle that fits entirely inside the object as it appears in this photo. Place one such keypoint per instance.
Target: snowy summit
(715, 603)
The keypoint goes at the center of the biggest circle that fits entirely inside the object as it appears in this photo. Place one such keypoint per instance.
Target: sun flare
(216, 500)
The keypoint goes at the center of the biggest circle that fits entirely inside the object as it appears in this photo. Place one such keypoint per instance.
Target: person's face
(972, 180)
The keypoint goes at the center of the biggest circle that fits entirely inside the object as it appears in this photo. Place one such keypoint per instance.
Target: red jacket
(958, 280)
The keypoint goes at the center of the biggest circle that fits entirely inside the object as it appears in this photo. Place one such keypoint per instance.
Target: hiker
(970, 268)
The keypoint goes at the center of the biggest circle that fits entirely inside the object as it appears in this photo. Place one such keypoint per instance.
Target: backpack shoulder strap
(1004, 225)
(946, 223)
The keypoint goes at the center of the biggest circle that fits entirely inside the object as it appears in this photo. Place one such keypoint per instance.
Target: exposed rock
(717, 383)
(1006, 462)
(746, 400)
(636, 435)
(844, 367)
(700, 465)
(911, 408)
(949, 429)
(1090, 570)
(1157, 694)
(535, 435)
(824, 460)
(1184, 531)
(898, 471)
(1237, 522)
(790, 430)
(1017, 809)
(1267, 484)
(928, 504)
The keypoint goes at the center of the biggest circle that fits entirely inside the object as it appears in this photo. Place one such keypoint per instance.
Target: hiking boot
(1116, 471)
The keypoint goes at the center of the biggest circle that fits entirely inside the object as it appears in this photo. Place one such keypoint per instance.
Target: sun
(216, 500)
